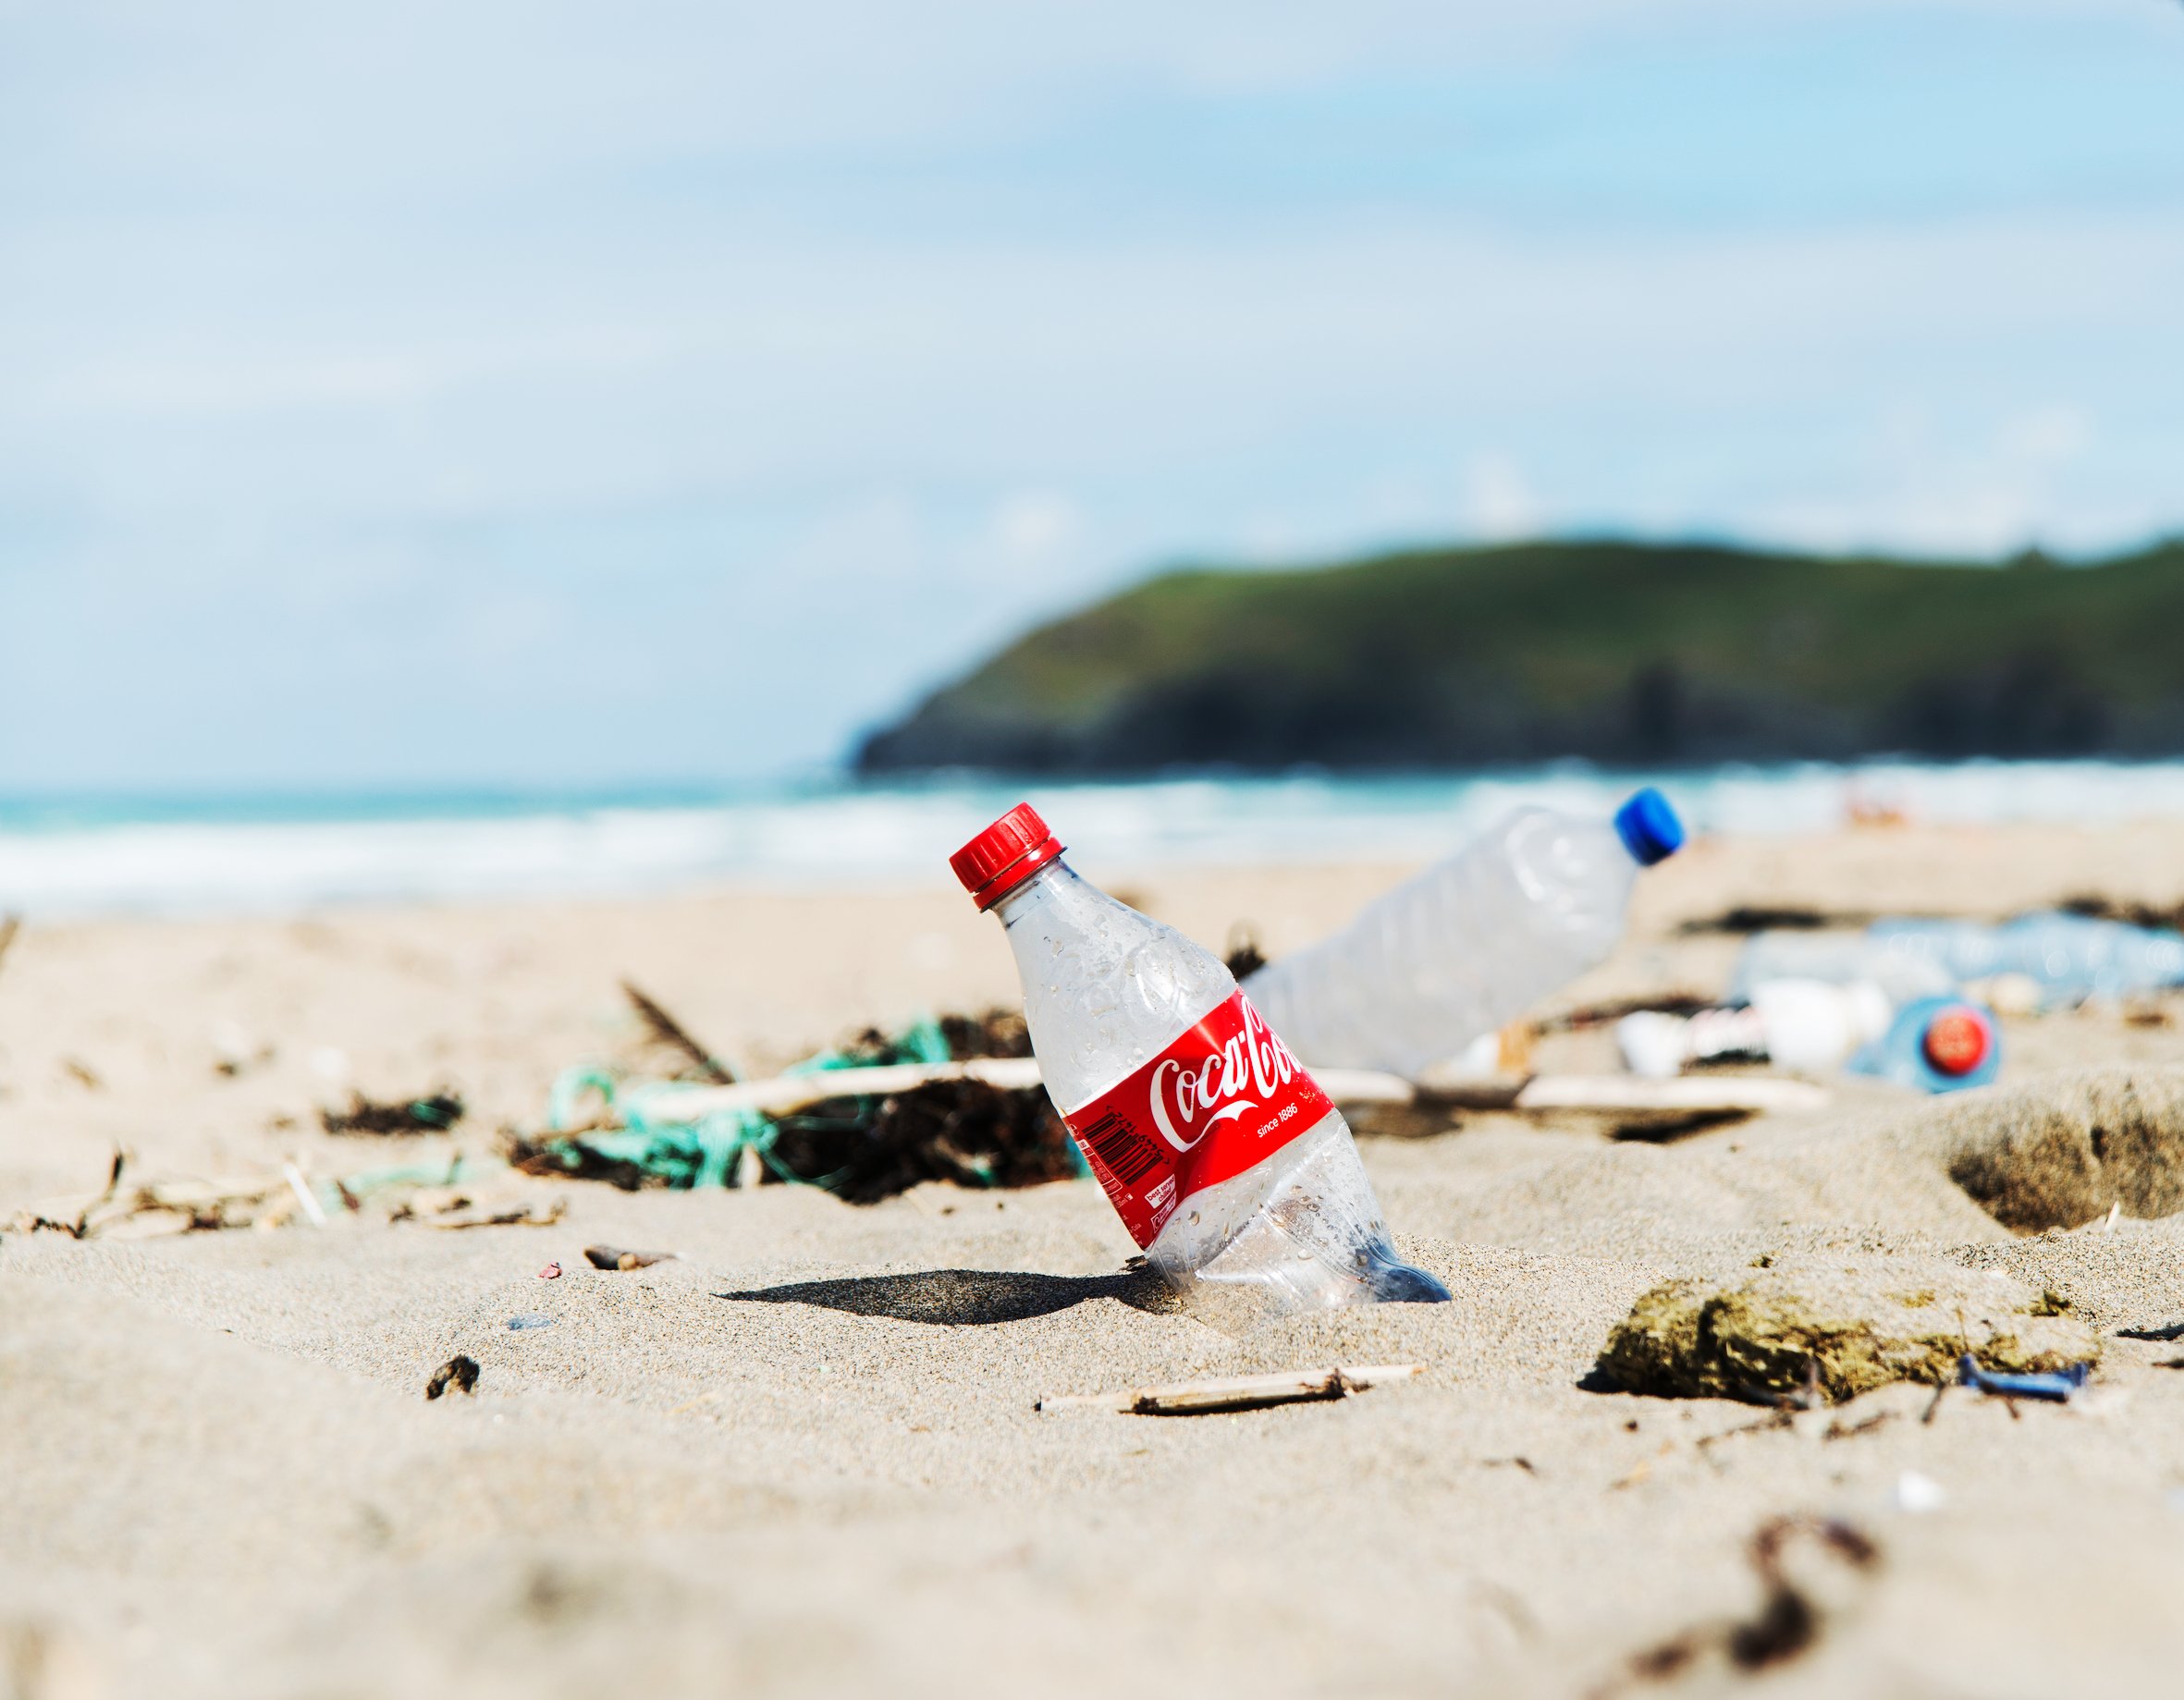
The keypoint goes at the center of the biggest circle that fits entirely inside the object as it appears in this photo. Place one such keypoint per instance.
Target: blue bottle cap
(1650, 831)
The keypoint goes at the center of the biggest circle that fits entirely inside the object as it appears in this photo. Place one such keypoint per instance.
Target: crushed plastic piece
(2056, 1386)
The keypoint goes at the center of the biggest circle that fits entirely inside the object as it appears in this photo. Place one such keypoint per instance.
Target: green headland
(1622, 652)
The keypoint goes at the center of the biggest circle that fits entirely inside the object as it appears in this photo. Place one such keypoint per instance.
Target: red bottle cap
(1005, 855)
(1956, 1041)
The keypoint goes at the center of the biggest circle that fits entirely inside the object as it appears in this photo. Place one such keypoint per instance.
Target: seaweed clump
(862, 1148)
(1771, 1336)
(964, 1131)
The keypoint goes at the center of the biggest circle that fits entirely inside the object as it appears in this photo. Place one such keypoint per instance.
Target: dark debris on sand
(2098, 906)
(964, 1131)
(866, 1149)
(1787, 1624)
(1745, 918)
(457, 1374)
(435, 1114)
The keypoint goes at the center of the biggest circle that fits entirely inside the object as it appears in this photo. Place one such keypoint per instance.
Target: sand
(803, 1457)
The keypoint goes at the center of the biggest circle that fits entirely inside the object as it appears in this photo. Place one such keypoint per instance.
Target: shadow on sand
(966, 1295)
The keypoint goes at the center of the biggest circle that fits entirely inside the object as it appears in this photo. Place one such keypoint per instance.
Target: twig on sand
(1238, 1392)
(669, 1031)
(78, 1226)
(9, 926)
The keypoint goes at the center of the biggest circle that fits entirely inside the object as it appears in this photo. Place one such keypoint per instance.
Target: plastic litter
(1904, 972)
(1936, 1044)
(529, 1319)
(2056, 1386)
(1229, 1166)
(2063, 957)
(1802, 1024)
(1468, 945)
(2070, 957)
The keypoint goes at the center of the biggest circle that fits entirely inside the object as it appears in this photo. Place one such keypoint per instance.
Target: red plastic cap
(1956, 1041)
(1005, 855)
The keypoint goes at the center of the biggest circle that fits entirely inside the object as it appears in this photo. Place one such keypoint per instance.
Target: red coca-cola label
(1211, 1105)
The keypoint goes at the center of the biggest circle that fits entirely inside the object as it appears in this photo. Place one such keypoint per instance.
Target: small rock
(1760, 1334)
(614, 1257)
(458, 1372)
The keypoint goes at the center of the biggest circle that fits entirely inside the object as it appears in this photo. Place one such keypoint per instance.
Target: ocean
(94, 856)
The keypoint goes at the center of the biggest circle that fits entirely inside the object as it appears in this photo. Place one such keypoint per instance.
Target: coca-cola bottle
(1230, 1167)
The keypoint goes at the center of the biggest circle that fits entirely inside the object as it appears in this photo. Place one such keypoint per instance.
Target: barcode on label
(1123, 1152)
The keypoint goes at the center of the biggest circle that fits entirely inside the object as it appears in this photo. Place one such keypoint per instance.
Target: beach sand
(803, 1457)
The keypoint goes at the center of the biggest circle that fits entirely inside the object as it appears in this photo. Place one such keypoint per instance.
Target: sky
(553, 394)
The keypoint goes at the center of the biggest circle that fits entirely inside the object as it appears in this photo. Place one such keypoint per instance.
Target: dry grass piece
(666, 1029)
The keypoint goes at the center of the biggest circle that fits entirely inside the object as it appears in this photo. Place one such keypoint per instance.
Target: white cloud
(1979, 492)
(1031, 527)
(1499, 501)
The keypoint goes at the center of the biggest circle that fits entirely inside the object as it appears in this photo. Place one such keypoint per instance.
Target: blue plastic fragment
(530, 1319)
(2056, 1385)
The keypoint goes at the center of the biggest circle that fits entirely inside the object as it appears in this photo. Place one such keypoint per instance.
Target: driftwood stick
(9, 926)
(1604, 1093)
(669, 1031)
(794, 1091)
(1238, 1392)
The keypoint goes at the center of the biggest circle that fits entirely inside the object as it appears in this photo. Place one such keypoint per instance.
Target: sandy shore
(803, 1457)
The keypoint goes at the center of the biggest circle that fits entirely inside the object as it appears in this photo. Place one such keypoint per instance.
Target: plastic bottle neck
(1056, 883)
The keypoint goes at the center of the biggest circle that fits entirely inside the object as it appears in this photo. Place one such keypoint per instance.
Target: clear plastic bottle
(2068, 958)
(1904, 970)
(1471, 943)
(1230, 1167)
